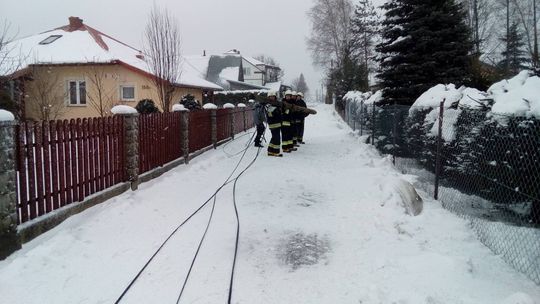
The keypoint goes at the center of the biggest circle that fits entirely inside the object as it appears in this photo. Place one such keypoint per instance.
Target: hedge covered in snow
(490, 140)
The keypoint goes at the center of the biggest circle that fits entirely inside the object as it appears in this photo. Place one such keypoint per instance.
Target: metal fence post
(8, 192)
(373, 125)
(394, 133)
(213, 122)
(362, 118)
(439, 148)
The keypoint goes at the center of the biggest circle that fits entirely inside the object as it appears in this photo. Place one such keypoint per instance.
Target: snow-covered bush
(190, 103)
(146, 106)
(490, 139)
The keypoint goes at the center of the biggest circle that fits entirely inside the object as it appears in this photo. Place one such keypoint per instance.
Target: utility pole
(476, 28)
(535, 52)
(507, 38)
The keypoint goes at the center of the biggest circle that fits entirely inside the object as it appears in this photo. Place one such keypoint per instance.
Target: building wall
(249, 73)
(49, 90)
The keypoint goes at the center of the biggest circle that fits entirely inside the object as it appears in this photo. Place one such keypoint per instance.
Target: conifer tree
(514, 56)
(425, 42)
(364, 27)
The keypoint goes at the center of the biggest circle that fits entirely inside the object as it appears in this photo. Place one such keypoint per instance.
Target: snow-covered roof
(79, 43)
(197, 64)
(258, 62)
(230, 73)
(274, 86)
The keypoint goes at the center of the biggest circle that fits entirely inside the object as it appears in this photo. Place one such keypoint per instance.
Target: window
(127, 93)
(50, 39)
(77, 92)
(247, 71)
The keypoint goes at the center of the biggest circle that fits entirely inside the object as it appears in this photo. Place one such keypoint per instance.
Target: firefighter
(259, 118)
(274, 117)
(294, 121)
(301, 118)
(286, 130)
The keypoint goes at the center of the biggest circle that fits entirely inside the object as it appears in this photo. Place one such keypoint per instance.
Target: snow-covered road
(322, 225)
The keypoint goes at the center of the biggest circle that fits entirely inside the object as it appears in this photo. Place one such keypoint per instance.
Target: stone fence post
(232, 121)
(8, 196)
(213, 122)
(131, 143)
(185, 135)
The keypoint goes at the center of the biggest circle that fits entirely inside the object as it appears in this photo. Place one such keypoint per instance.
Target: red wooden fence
(200, 130)
(160, 139)
(249, 117)
(61, 162)
(238, 120)
(223, 124)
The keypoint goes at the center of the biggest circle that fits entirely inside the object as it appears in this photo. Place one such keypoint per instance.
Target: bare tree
(101, 97)
(482, 21)
(330, 30)
(527, 15)
(10, 58)
(46, 94)
(163, 51)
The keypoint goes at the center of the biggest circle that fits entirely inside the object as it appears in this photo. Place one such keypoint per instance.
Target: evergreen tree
(299, 84)
(146, 106)
(514, 56)
(365, 26)
(348, 75)
(425, 42)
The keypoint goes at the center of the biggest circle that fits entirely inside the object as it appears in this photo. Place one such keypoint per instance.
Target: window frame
(52, 39)
(121, 91)
(78, 95)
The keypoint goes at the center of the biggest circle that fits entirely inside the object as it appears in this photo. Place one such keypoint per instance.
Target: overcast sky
(277, 28)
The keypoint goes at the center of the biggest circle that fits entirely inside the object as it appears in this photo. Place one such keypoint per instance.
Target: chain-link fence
(481, 166)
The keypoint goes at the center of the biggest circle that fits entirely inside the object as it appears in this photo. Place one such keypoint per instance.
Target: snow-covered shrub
(190, 103)
(146, 106)
(490, 139)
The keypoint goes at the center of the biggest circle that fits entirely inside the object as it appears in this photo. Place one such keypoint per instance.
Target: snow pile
(228, 106)
(179, 108)
(230, 73)
(6, 115)
(433, 97)
(123, 110)
(241, 105)
(454, 100)
(209, 106)
(518, 96)
(365, 97)
(241, 92)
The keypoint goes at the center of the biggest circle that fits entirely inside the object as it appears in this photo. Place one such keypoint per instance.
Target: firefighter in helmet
(274, 119)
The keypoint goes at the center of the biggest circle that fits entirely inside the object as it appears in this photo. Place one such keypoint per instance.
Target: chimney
(75, 23)
(204, 53)
(140, 55)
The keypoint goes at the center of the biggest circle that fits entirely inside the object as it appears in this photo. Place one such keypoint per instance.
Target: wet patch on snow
(308, 199)
(301, 250)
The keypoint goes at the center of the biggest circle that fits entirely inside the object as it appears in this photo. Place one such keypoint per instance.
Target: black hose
(227, 181)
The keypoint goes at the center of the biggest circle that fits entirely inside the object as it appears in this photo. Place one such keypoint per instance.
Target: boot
(259, 145)
(275, 154)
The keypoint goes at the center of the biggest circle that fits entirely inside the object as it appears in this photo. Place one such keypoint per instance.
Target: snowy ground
(322, 225)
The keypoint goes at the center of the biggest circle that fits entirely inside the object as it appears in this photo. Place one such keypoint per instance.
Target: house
(76, 71)
(263, 73)
(233, 71)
